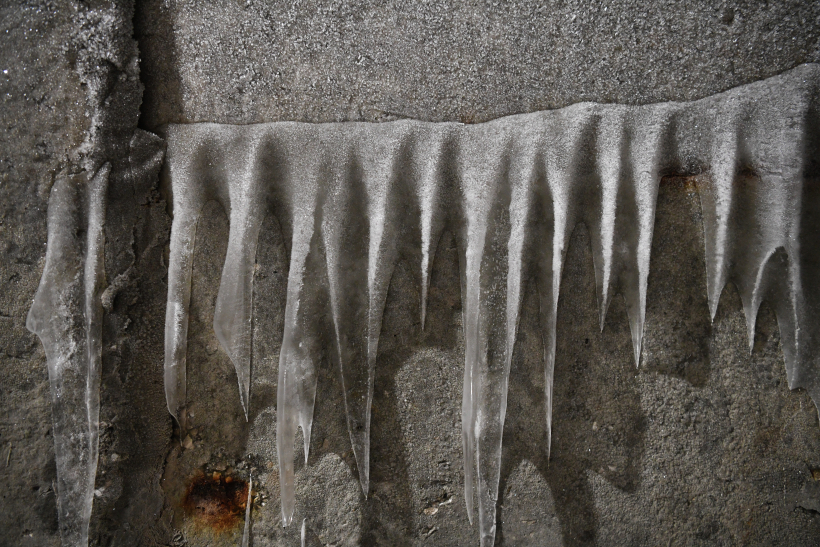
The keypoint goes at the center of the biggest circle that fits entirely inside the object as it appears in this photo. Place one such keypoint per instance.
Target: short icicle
(766, 204)
(716, 201)
(431, 159)
(246, 532)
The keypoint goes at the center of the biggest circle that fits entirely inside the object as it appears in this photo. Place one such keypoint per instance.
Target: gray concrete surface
(704, 445)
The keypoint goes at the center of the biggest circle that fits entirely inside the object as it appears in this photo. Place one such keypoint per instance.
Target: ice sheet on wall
(512, 190)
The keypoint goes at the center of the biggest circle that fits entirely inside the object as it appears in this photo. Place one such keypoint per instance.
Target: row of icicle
(512, 190)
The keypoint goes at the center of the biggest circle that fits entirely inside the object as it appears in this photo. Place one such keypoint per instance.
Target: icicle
(646, 149)
(234, 302)
(796, 307)
(766, 208)
(628, 148)
(431, 155)
(360, 260)
(601, 218)
(496, 186)
(66, 315)
(189, 194)
(477, 199)
(567, 135)
(309, 537)
(246, 533)
(716, 201)
(301, 343)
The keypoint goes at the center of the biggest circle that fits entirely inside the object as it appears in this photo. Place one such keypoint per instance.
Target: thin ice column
(300, 213)
(553, 222)
(66, 315)
(234, 302)
(186, 156)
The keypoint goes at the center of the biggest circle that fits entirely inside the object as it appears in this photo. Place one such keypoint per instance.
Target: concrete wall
(704, 444)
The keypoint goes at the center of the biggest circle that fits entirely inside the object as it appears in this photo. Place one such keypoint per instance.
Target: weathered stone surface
(702, 445)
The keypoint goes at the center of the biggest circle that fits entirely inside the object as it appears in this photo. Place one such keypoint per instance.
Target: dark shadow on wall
(598, 423)
(162, 94)
(678, 327)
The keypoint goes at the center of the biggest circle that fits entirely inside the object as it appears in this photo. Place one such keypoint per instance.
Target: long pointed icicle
(565, 144)
(381, 165)
(602, 217)
(189, 194)
(301, 343)
(492, 244)
(646, 149)
(234, 302)
(345, 239)
(476, 205)
(513, 189)
(360, 258)
(66, 315)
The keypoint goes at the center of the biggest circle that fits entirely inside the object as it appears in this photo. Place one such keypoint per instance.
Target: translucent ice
(66, 315)
(347, 195)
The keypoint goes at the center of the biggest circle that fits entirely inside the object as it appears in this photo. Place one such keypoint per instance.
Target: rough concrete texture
(235, 61)
(703, 445)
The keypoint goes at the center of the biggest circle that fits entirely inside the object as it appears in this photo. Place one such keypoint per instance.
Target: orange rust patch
(216, 501)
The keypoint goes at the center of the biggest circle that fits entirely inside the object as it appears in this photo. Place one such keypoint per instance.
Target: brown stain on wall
(215, 501)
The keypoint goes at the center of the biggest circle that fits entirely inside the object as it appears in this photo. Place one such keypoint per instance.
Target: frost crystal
(513, 189)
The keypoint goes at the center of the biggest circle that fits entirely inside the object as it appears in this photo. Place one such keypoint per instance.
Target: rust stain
(216, 501)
